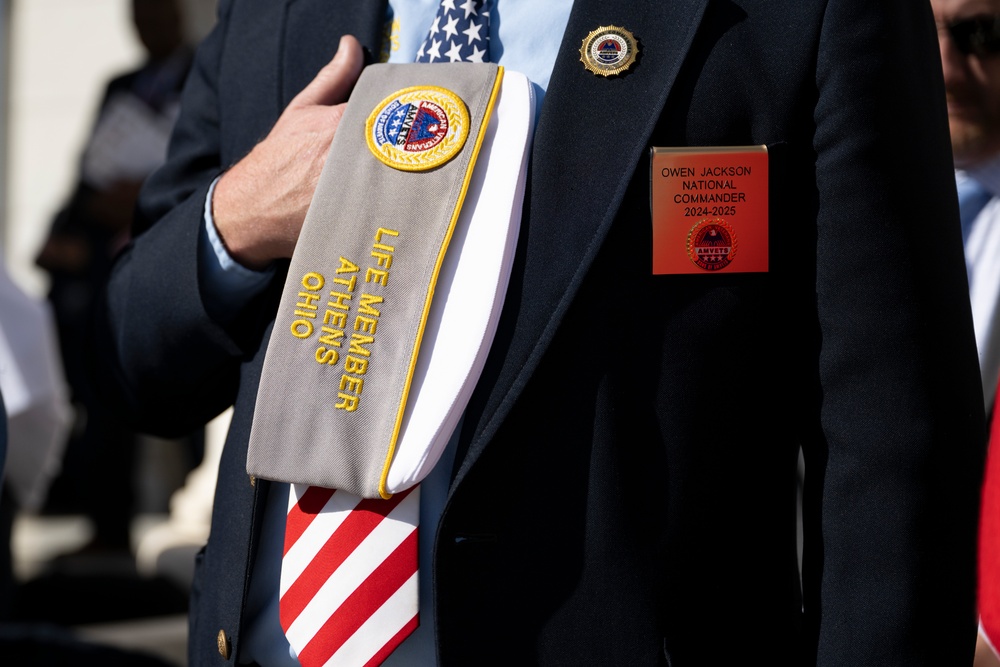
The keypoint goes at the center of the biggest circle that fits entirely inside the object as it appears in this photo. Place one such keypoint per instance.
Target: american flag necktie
(349, 592)
(460, 34)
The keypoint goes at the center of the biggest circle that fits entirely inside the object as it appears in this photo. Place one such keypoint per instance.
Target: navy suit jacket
(624, 491)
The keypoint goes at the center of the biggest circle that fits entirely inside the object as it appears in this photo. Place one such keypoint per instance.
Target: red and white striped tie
(989, 536)
(348, 575)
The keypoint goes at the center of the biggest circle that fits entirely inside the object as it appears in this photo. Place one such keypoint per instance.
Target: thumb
(333, 83)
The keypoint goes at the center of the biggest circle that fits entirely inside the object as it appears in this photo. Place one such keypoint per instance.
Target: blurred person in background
(127, 142)
(6, 519)
(969, 39)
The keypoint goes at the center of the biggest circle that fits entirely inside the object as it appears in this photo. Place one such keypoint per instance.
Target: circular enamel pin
(609, 50)
(711, 244)
(418, 128)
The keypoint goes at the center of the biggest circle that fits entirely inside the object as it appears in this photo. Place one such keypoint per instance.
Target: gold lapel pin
(609, 50)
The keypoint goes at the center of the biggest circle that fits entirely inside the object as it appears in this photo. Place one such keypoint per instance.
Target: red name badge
(709, 208)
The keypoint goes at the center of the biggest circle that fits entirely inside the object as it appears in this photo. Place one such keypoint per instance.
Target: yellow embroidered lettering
(382, 258)
(325, 356)
(352, 384)
(347, 266)
(365, 320)
(350, 283)
(307, 300)
(362, 323)
(348, 402)
(383, 230)
(340, 301)
(331, 336)
(336, 319)
(376, 276)
(312, 281)
(306, 307)
(357, 340)
(355, 365)
(365, 307)
(302, 328)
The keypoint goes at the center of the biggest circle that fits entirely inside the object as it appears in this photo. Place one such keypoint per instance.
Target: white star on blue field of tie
(460, 33)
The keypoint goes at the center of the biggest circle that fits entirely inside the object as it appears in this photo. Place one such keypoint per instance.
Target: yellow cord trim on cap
(434, 276)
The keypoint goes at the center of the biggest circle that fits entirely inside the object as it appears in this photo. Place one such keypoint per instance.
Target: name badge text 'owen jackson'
(709, 209)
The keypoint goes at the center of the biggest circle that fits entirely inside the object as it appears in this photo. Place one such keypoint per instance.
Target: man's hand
(259, 205)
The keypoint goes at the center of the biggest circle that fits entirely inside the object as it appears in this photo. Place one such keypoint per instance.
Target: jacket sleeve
(894, 483)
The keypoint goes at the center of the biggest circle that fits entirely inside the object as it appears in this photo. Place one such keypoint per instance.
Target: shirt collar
(987, 174)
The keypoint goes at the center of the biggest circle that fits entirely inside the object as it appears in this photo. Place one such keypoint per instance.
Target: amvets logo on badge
(711, 244)
(418, 128)
(609, 50)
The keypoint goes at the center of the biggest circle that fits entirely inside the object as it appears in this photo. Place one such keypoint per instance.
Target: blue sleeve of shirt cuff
(227, 285)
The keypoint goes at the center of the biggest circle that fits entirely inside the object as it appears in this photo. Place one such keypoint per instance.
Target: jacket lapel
(313, 29)
(591, 135)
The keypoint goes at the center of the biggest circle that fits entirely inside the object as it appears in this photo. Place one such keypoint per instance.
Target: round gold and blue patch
(609, 50)
(418, 128)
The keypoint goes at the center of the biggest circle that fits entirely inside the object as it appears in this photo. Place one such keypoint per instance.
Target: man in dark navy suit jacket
(624, 488)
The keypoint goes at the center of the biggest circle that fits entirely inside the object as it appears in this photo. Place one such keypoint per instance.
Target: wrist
(242, 222)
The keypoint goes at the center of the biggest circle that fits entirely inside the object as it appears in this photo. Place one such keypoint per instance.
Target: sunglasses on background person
(977, 36)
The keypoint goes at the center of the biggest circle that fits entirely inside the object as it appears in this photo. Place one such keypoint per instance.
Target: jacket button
(224, 648)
